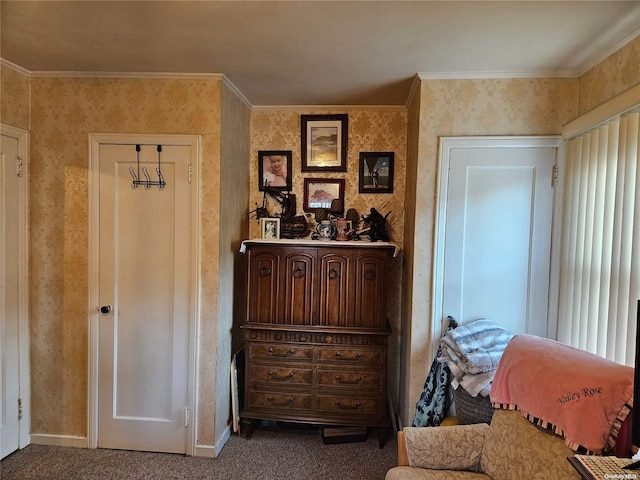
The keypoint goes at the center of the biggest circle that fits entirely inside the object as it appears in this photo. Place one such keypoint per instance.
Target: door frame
(24, 374)
(95, 140)
(447, 144)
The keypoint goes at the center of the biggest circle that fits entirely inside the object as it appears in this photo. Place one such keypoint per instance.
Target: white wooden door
(497, 233)
(145, 293)
(10, 307)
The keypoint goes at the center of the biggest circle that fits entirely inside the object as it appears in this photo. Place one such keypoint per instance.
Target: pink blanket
(583, 397)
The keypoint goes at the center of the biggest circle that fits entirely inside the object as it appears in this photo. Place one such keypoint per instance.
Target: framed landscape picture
(376, 172)
(320, 192)
(324, 142)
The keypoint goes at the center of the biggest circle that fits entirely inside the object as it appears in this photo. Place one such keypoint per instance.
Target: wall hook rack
(147, 182)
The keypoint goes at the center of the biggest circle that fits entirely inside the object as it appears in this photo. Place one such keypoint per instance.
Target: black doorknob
(104, 309)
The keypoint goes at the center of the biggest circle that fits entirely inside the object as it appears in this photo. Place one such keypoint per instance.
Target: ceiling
(279, 53)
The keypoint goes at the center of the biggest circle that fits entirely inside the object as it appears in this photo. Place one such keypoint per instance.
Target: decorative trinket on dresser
(344, 229)
(325, 230)
(377, 226)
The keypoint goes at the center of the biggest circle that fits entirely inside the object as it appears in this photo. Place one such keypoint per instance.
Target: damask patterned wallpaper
(609, 78)
(370, 130)
(459, 108)
(233, 197)
(14, 98)
(63, 113)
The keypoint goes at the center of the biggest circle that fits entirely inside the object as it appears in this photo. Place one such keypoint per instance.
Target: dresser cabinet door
(264, 268)
(282, 287)
(370, 304)
(352, 288)
(298, 293)
(336, 289)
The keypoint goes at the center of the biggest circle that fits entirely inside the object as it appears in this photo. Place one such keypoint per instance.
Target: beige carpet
(268, 454)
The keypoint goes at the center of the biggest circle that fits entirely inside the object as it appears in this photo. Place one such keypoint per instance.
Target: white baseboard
(205, 451)
(213, 451)
(82, 442)
(59, 440)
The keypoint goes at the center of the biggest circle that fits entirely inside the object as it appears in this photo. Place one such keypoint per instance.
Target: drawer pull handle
(339, 379)
(285, 354)
(349, 359)
(265, 271)
(289, 401)
(334, 273)
(299, 272)
(280, 377)
(348, 407)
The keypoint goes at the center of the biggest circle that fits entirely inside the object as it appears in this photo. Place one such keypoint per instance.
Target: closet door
(146, 238)
(497, 241)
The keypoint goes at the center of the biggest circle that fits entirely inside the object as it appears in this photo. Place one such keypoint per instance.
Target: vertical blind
(600, 251)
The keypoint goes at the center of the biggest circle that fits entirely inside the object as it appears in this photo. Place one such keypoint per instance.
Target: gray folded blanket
(472, 353)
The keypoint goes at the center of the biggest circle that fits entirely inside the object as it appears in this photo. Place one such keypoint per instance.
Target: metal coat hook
(147, 182)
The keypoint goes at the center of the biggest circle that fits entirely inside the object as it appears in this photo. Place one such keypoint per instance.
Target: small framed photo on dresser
(270, 228)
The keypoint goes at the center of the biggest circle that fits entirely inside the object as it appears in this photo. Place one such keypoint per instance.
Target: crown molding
(128, 75)
(236, 91)
(328, 107)
(12, 66)
(597, 59)
(413, 91)
(493, 75)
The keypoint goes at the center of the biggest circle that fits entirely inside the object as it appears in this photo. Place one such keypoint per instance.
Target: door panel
(9, 296)
(498, 236)
(145, 275)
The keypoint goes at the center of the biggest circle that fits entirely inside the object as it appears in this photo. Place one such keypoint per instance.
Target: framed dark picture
(320, 192)
(274, 169)
(376, 172)
(324, 142)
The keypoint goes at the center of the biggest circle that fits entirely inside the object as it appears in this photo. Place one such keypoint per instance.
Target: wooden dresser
(316, 333)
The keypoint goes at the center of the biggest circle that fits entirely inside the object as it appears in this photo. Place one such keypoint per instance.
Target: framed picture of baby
(274, 169)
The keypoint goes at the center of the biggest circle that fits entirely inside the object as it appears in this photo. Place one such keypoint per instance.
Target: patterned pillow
(515, 449)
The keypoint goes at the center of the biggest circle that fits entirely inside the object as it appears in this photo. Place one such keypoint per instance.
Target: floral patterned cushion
(409, 473)
(512, 448)
(457, 447)
(515, 449)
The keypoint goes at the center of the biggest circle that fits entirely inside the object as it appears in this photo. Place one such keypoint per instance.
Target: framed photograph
(376, 172)
(270, 228)
(320, 192)
(274, 169)
(324, 142)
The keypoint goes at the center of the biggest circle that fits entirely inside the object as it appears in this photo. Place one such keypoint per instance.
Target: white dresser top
(307, 241)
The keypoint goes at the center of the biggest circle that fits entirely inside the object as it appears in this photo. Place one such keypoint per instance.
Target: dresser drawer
(279, 401)
(353, 379)
(351, 356)
(275, 375)
(280, 352)
(348, 405)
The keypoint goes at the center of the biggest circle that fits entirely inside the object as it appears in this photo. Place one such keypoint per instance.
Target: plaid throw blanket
(472, 353)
